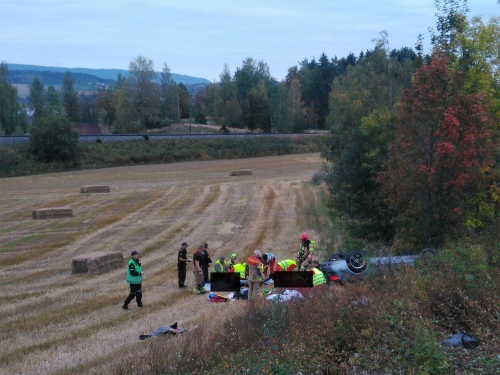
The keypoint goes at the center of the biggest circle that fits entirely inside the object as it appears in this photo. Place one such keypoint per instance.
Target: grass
(17, 160)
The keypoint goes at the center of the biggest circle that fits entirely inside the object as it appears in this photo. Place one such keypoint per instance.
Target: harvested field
(54, 321)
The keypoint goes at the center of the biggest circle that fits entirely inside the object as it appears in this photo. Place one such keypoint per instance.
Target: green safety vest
(318, 278)
(134, 279)
(222, 265)
(240, 267)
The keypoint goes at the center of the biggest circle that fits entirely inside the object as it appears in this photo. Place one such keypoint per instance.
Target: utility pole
(190, 109)
(178, 108)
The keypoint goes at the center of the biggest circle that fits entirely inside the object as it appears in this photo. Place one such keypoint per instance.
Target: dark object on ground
(173, 330)
(356, 265)
(460, 338)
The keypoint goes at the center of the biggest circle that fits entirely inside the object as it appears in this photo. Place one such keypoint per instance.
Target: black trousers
(135, 292)
(182, 275)
(206, 279)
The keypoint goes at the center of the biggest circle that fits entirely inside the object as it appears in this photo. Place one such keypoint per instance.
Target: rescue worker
(197, 271)
(220, 265)
(240, 267)
(134, 278)
(307, 264)
(254, 274)
(182, 259)
(286, 265)
(319, 278)
(269, 261)
(234, 256)
(206, 263)
(306, 247)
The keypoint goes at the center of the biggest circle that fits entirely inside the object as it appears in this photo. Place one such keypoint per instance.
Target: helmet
(304, 236)
(234, 256)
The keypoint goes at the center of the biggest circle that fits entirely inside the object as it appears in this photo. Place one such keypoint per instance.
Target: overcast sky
(196, 37)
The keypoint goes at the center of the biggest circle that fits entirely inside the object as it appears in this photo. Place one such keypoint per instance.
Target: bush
(200, 119)
(53, 138)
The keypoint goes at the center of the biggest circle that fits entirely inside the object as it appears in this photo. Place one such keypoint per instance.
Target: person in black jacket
(206, 263)
(182, 259)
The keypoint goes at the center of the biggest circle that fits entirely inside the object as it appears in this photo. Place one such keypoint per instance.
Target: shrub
(200, 119)
(53, 138)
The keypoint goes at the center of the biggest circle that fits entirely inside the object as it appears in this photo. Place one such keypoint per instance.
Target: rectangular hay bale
(97, 262)
(95, 189)
(52, 213)
(242, 172)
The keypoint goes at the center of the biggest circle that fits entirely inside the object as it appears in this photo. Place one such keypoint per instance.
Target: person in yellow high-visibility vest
(319, 278)
(286, 265)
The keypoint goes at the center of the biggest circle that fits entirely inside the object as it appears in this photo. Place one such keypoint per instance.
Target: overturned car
(356, 265)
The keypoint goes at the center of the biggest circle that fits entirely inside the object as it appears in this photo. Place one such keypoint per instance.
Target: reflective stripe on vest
(134, 279)
(221, 266)
(318, 278)
(284, 264)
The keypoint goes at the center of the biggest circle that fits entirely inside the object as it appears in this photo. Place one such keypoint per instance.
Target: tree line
(414, 153)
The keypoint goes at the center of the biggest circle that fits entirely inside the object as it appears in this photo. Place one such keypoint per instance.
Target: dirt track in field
(53, 321)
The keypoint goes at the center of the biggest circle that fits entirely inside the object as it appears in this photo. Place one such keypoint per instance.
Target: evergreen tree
(12, 116)
(37, 99)
(70, 98)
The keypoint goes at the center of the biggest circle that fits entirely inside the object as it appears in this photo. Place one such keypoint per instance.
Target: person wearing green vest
(318, 277)
(134, 278)
(220, 265)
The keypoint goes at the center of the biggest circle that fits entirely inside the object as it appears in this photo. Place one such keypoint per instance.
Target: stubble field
(56, 322)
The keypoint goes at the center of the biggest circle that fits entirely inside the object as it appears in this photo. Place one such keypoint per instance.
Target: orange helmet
(304, 236)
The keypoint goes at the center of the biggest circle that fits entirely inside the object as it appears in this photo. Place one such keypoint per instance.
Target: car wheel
(356, 261)
(427, 253)
(337, 256)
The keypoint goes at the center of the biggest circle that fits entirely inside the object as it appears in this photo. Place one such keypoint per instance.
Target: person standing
(254, 274)
(182, 259)
(206, 262)
(198, 271)
(134, 278)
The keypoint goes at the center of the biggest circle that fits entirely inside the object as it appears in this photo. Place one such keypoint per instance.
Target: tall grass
(17, 160)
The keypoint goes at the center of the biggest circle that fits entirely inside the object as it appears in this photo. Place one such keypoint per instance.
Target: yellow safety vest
(318, 278)
(222, 266)
(238, 267)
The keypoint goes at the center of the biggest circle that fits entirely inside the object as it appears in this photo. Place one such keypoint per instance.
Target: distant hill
(105, 74)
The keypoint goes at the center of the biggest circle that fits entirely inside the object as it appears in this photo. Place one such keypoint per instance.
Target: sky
(197, 37)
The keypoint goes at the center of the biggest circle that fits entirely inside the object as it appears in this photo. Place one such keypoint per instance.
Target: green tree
(140, 100)
(12, 116)
(52, 101)
(70, 98)
(256, 112)
(362, 119)
(52, 137)
(37, 99)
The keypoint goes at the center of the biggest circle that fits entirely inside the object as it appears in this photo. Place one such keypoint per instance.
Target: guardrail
(20, 139)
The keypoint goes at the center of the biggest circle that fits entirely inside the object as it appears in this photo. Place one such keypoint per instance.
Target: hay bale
(52, 213)
(243, 172)
(97, 262)
(95, 189)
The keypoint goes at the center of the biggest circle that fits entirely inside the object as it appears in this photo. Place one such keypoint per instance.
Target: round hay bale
(95, 189)
(96, 262)
(243, 172)
(52, 213)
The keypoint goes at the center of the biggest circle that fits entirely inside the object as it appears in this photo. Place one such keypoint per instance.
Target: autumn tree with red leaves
(439, 166)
